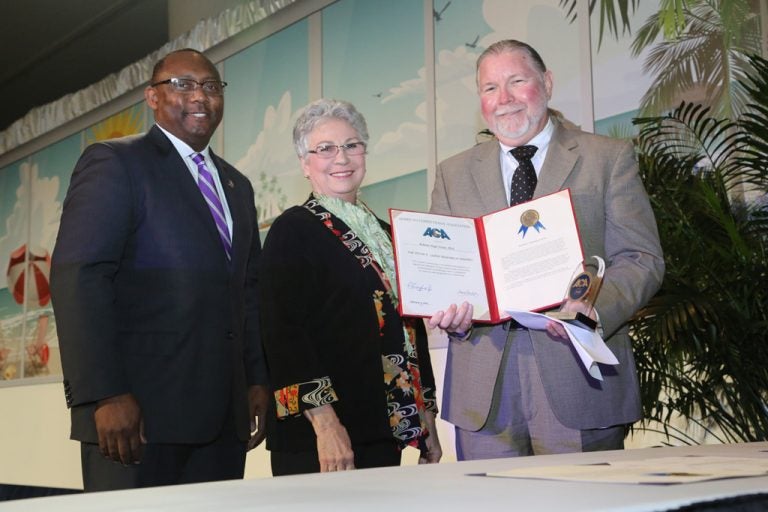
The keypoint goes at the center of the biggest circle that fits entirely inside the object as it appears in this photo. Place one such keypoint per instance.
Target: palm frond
(614, 15)
(699, 342)
(707, 53)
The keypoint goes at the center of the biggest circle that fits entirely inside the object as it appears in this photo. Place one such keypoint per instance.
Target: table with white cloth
(434, 488)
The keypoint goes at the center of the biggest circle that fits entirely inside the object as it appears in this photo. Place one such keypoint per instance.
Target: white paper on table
(588, 344)
(663, 470)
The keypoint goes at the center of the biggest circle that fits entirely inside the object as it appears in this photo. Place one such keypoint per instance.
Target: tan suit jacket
(615, 222)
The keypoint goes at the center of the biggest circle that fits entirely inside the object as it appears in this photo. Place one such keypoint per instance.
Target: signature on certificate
(419, 287)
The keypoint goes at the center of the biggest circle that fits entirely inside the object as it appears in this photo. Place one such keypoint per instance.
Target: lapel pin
(230, 183)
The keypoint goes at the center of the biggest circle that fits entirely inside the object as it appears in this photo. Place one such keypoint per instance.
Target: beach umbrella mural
(32, 265)
(38, 352)
(6, 371)
(35, 263)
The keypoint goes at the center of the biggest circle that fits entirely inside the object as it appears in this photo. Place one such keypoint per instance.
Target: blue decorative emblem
(436, 233)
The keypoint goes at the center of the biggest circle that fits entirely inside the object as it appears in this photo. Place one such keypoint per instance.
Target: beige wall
(35, 448)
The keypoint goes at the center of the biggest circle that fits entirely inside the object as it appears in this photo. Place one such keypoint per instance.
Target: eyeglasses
(187, 85)
(331, 150)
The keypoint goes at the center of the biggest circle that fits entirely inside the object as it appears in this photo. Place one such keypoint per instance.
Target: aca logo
(436, 233)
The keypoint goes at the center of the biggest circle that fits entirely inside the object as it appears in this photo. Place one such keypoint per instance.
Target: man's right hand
(120, 427)
(454, 319)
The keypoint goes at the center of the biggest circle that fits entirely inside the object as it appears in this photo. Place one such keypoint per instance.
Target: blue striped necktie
(208, 189)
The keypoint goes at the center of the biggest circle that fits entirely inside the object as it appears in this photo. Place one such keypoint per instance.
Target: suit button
(230, 335)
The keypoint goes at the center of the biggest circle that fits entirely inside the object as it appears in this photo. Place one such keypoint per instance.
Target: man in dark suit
(512, 391)
(153, 283)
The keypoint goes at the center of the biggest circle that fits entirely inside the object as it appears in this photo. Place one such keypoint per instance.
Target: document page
(438, 263)
(533, 249)
(588, 344)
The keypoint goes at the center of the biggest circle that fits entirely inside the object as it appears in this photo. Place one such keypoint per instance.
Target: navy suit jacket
(144, 298)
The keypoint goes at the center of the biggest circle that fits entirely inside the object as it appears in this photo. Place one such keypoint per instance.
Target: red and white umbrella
(35, 263)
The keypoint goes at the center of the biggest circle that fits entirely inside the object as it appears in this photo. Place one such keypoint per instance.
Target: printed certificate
(520, 258)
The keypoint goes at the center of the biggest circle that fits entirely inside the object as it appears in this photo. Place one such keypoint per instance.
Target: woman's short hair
(321, 110)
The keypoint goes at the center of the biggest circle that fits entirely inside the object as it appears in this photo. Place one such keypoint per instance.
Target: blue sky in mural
(618, 81)
(10, 179)
(374, 56)
(58, 161)
(258, 78)
(404, 193)
(365, 73)
(13, 223)
(268, 84)
(48, 172)
(618, 126)
(461, 24)
(377, 75)
(52, 168)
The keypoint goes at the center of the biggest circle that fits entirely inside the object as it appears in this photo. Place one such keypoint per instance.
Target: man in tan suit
(512, 391)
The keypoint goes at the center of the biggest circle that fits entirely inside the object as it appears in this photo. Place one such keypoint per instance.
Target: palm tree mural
(612, 13)
(270, 199)
(699, 51)
(703, 56)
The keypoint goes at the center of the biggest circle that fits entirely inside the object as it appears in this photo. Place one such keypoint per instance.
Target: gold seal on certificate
(529, 219)
(583, 288)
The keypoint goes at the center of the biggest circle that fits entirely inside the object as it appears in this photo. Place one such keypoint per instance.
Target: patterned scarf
(366, 225)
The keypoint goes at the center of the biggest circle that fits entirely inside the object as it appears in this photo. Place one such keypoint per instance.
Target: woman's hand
(334, 449)
(434, 451)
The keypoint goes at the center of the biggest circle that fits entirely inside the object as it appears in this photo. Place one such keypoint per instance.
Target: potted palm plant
(701, 341)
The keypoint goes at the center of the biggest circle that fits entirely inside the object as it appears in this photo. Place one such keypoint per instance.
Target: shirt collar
(540, 140)
(184, 149)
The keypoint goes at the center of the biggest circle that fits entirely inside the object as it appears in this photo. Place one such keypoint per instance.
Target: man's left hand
(258, 402)
(557, 330)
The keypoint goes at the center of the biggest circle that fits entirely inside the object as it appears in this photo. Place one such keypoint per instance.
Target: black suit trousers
(167, 464)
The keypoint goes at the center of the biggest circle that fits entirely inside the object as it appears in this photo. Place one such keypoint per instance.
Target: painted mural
(32, 192)
(372, 54)
(268, 85)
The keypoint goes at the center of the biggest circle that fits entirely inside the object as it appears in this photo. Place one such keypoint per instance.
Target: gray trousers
(521, 421)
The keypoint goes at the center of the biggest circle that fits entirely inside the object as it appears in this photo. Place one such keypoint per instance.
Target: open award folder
(520, 258)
